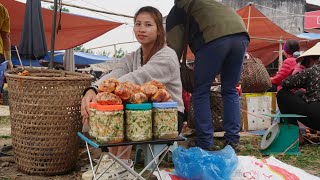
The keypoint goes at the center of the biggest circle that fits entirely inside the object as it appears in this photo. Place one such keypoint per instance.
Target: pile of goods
(125, 111)
(312, 136)
(113, 92)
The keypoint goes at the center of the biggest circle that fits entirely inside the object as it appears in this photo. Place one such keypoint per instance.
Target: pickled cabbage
(138, 125)
(165, 125)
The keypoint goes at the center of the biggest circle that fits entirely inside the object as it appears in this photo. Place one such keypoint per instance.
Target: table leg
(120, 155)
(93, 172)
(125, 166)
(164, 150)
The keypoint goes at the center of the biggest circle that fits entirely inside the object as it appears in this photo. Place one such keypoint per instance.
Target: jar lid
(143, 106)
(108, 107)
(92, 105)
(165, 105)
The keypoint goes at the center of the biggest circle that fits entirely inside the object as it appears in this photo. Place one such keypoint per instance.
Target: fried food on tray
(108, 85)
(138, 98)
(161, 95)
(124, 90)
(106, 98)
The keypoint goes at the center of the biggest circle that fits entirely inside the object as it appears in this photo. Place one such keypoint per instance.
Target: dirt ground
(309, 160)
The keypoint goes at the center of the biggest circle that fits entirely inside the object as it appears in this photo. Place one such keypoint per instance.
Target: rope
(290, 147)
(89, 9)
(259, 117)
(103, 9)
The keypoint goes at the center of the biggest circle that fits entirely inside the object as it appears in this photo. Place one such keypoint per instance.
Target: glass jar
(92, 106)
(139, 122)
(108, 123)
(165, 120)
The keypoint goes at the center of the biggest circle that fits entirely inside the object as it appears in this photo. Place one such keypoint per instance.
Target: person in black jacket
(308, 103)
(219, 39)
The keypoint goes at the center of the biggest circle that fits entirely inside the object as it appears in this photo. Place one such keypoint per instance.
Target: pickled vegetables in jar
(139, 122)
(92, 106)
(108, 124)
(165, 120)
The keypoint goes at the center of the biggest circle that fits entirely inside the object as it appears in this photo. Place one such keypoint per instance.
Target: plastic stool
(156, 148)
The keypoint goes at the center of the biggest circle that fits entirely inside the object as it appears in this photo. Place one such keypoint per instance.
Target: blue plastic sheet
(196, 163)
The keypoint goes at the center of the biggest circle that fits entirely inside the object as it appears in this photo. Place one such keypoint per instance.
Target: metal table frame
(105, 150)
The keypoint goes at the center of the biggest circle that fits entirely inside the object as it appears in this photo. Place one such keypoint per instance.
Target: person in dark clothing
(219, 39)
(307, 104)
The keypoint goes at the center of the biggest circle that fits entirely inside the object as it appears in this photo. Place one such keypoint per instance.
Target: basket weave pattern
(216, 106)
(45, 116)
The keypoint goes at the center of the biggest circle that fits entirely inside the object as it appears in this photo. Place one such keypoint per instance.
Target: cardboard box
(253, 106)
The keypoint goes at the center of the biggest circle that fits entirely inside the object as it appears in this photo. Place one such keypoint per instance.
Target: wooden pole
(249, 15)
(280, 53)
(53, 33)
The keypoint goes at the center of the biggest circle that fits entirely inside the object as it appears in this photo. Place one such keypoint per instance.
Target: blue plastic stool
(156, 148)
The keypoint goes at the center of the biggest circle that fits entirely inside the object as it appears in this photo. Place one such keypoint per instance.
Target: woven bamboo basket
(45, 117)
(216, 106)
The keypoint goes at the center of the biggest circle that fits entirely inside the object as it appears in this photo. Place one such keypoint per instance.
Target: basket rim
(74, 75)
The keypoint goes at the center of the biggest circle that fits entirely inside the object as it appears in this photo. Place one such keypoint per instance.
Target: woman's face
(145, 29)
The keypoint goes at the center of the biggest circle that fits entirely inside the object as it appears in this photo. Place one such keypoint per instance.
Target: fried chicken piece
(135, 88)
(161, 95)
(108, 85)
(156, 83)
(106, 98)
(148, 89)
(138, 98)
(124, 90)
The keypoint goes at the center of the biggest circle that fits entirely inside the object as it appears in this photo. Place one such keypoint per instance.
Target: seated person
(288, 65)
(309, 103)
(154, 60)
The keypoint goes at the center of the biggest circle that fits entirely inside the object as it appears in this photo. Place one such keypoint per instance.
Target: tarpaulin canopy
(80, 58)
(266, 35)
(75, 29)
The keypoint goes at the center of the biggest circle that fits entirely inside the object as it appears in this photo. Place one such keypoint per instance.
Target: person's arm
(175, 23)
(298, 80)
(283, 72)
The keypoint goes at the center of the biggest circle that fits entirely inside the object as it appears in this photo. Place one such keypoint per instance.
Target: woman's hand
(90, 96)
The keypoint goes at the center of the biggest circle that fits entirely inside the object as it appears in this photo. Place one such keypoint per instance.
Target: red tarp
(75, 29)
(266, 35)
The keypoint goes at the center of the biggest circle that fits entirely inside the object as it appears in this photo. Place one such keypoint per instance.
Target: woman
(219, 39)
(288, 65)
(309, 103)
(152, 61)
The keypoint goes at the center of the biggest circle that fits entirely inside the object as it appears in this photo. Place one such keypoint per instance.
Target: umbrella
(33, 41)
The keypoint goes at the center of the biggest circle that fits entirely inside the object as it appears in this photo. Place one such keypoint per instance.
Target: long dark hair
(157, 16)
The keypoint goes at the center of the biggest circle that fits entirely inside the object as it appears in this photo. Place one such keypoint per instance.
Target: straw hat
(314, 51)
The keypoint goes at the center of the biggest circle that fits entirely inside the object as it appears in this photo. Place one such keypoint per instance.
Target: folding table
(105, 150)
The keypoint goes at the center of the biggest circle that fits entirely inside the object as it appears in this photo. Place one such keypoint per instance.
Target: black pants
(291, 103)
